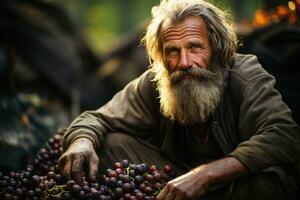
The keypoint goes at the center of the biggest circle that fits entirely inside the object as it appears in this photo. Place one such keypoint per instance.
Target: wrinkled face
(190, 82)
(186, 45)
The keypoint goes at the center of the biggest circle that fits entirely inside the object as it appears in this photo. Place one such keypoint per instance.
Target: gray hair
(221, 33)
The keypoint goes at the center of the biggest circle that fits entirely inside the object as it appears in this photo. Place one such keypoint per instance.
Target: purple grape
(127, 187)
(138, 179)
(139, 196)
(149, 198)
(118, 192)
(126, 179)
(76, 189)
(95, 193)
(148, 190)
(125, 163)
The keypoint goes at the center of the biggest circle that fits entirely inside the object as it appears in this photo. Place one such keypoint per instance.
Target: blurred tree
(104, 22)
(244, 10)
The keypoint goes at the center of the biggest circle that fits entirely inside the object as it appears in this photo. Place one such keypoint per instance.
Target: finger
(77, 169)
(66, 173)
(179, 196)
(61, 163)
(93, 167)
(170, 195)
(163, 193)
(64, 166)
(172, 192)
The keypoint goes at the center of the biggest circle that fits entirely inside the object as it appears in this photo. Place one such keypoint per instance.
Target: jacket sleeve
(270, 135)
(130, 111)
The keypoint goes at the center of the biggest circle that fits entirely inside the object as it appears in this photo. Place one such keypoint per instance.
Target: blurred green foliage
(104, 22)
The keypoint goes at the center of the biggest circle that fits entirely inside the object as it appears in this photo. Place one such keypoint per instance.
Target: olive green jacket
(252, 123)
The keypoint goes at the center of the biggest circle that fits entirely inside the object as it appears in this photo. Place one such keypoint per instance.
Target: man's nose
(185, 62)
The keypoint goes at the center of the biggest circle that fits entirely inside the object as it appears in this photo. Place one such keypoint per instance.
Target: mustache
(199, 73)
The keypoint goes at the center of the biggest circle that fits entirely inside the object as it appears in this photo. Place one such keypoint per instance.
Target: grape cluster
(23, 185)
(42, 180)
(135, 181)
(37, 180)
(47, 157)
(125, 181)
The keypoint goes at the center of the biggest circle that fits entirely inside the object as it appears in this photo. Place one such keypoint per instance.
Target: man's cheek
(170, 65)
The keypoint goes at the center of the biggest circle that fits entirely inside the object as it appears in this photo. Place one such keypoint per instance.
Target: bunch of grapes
(126, 181)
(23, 185)
(47, 157)
(42, 180)
(136, 181)
(35, 182)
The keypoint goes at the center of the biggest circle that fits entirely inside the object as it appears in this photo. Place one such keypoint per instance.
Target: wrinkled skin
(195, 183)
(79, 154)
(188, 186)
(186, 44)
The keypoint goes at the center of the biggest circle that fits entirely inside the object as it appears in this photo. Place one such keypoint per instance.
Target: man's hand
(195, 183)
(81, 152)
(188, 186)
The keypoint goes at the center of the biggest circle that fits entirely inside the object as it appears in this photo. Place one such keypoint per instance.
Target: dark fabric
(262, 186)
(195, 145)
(277, 47)
(202, 145)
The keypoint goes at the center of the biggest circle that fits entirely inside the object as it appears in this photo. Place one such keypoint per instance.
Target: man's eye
(195, 46)
(172, 51)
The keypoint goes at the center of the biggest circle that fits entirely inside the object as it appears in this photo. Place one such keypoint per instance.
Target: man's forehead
(191, 26)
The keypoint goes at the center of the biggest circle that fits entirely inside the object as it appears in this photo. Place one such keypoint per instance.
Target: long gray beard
(190, 101)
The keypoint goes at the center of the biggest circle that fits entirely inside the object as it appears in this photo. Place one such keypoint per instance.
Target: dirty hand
(195, 183)
(191, 185)
(81, 152)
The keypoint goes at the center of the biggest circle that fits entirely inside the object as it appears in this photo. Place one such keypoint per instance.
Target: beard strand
(192, 100)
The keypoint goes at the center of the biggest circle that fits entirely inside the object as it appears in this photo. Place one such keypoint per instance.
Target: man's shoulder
(146, 79)
(147, 75)
(145, 83)
(244, 71)
(246, 68)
